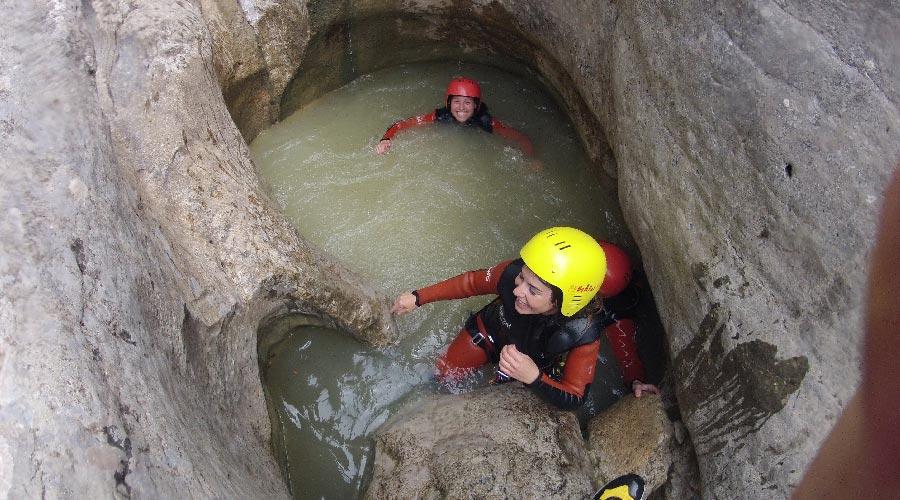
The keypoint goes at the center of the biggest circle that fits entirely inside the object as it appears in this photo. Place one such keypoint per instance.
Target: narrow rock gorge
(140, 253)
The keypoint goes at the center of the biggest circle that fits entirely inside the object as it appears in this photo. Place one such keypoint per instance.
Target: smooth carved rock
(633, 436)
(498, 442)
(752, 147)
(139, 255)
(752, 142)
(242, 72)
(749, 385)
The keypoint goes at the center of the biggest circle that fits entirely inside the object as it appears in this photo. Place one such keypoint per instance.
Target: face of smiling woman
(532, 295)
(462, 108)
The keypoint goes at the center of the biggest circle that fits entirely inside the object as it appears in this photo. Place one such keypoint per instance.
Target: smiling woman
(543, 329)
(464, 107)
(534, 295)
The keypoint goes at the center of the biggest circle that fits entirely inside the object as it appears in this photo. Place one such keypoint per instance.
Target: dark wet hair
(556, 295)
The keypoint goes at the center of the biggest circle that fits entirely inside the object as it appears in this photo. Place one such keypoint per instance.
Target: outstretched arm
(514, 135)
(384, 145)
(468, 284)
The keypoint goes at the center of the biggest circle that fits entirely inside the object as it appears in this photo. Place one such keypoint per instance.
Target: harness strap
(475, 327)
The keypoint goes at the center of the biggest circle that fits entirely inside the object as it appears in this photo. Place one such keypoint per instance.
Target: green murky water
(444, 200)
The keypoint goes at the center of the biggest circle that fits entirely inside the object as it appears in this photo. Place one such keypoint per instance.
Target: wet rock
(737, 133)
(139, 255)
(633, 436)
(752, 142)
(498, 442)
(684, 481)
(257, 48)
(238, 64)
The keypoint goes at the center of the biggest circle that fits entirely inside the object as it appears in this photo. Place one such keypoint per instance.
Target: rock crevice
(751, 144)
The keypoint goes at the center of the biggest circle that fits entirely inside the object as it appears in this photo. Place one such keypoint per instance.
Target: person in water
(544, 328)
(463, 107)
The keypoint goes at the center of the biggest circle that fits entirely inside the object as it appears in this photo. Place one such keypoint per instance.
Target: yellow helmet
(570, 260)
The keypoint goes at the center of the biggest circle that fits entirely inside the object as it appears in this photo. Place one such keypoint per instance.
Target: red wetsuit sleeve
(578, 374)
(412, 121)
(468, 284)
(621, 335)
(514, 135)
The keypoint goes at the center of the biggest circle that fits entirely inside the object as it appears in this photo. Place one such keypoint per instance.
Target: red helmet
(618, 270)
(464, 87)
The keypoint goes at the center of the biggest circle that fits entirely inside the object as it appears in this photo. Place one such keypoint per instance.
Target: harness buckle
(475, 327)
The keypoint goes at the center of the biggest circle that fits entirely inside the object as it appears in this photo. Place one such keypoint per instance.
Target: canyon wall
(751, 142)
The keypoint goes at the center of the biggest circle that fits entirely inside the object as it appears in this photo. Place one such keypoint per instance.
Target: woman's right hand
(383, 146)
(405, 303)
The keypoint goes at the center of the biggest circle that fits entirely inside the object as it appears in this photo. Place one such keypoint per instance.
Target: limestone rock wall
(497, 442)
(138, 257)
(752, 141)
(257, 47)
(753, 147)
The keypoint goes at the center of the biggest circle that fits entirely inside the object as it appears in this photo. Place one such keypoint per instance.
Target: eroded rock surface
(138, 256)
(498, 442)
(752, 142)
(504, 442)
(634, 436)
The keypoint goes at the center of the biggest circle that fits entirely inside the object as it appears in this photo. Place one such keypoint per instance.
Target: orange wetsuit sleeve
(621, 335)
(514, 135)
(468, 284)
(578, 374)
(412, 121)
